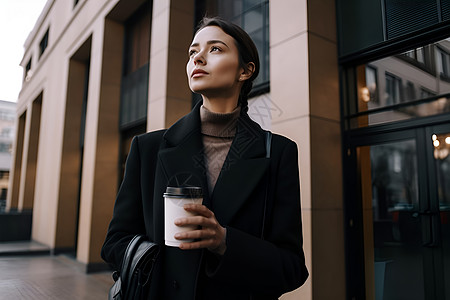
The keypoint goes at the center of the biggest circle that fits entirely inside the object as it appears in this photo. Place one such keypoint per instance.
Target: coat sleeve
(128, 219)
(276, 264)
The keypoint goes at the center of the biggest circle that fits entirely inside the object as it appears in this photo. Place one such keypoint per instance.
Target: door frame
(419, 130)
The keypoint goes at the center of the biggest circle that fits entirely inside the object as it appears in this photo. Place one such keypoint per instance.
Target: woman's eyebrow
(211, 42)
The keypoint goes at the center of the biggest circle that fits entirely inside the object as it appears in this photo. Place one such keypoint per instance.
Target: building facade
(366, 100)
(7, 117)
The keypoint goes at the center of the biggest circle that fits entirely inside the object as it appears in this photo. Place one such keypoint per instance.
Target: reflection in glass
(371, 84)
(393, 88)
(418, 79)
(389, 184)
(441, 144)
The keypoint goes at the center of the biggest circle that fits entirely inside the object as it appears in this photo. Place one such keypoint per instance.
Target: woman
(248, 244)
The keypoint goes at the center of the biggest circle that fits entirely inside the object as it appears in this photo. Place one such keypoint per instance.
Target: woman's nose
(199, 59)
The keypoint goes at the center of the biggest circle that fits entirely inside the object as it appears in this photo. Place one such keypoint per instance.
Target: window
(443, 63)
(3, 194)
(7, 115)
(7, 132)
(371, 84)
(410, 91)
(134, 85)
(43, 44)
(137, 40)
(5, 147)
(398, 87)
(253, 17)
(417, 54)
(393, 88)
(421, 57)
(4, 175)
(426, 93)
(27, 69)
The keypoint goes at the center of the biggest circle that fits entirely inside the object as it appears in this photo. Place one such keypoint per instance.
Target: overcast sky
(17, 19)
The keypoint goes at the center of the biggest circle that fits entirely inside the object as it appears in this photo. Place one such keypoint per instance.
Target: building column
(70, 172)
(99, 182)
(12, 201)
(326, 154)
(305, 87)
(23, 172)
(30, 153)
(169, 94)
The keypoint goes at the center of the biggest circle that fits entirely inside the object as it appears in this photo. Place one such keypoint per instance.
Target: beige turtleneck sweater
(218, 131)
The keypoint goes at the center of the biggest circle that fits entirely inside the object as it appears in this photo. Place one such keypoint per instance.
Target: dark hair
(246, 48)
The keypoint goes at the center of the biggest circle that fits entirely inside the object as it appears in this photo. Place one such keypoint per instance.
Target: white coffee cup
(174, 200)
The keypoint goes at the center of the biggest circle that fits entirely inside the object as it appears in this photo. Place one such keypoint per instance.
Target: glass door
(403, 181)
(393, 254)
(439, 170)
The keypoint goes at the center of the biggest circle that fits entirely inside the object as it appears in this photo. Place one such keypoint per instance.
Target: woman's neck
(220, 105)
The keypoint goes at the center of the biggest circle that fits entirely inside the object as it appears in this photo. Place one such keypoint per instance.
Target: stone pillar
(304, 85)
(326, 154)
(99, 182)
(31, 145)
(169, 93)
(12, 202)
(69, 186)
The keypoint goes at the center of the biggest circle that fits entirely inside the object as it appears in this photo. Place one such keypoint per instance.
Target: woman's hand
(211, 234)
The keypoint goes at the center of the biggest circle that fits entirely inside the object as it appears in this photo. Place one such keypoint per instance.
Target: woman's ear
(247, 72)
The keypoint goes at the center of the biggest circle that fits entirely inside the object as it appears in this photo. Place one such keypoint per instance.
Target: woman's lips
(198, 73)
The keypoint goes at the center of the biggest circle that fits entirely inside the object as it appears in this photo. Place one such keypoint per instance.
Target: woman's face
(213, 68)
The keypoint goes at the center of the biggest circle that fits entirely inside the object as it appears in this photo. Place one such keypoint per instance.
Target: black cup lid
(186, 191)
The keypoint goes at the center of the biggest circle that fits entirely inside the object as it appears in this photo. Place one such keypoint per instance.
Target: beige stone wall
(305, 87)
(70, 28)
(304, 95)
(326, 155)
(169, 93)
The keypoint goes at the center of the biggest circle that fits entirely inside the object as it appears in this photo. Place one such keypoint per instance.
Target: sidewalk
(28, 271)
(23, 248)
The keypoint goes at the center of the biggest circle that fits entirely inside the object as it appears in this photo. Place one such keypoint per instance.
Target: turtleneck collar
(219, 124)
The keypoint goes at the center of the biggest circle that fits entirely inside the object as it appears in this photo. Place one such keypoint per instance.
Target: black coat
(254, 266)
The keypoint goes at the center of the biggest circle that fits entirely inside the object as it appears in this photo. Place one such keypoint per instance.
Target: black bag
(134, 279)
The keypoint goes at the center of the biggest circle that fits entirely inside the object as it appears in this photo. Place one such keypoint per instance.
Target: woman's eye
(192, 52)
(214, 48)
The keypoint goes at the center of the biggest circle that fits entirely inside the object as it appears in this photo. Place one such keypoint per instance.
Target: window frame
(27, 68)
(444, 67)
(397, 87)
(43, 44)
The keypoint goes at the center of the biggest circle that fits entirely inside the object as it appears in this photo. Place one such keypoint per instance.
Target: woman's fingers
(210, 233)
(203, 233)
(199, 209)
(196, 220)
(204, 238)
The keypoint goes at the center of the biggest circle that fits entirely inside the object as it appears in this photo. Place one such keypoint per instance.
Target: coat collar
(245, 165)
(248, 142)
(183, 129)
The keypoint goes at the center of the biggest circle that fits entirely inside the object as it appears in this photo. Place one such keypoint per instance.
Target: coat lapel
(182, 162)
(243, 169)
(182, 157)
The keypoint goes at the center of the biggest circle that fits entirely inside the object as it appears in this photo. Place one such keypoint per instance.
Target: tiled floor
(48, 277)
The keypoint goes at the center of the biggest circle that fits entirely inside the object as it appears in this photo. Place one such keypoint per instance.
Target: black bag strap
(129, 253)
(268, 138)
(137, 253)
